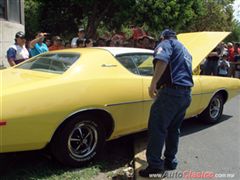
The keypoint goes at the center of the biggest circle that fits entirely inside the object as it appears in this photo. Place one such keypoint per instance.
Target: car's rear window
(52, 63)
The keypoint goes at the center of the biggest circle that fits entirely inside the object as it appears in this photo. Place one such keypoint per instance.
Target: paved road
(214, 148)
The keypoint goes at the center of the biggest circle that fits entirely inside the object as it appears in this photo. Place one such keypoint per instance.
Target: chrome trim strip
(148, 100)
(130, 102)
(202, 93)
(86, 109)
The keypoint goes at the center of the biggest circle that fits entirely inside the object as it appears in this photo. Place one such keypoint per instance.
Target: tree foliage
(217, 15)
(63, 17)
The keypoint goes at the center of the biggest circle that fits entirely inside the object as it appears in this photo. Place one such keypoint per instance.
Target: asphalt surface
(207, 148)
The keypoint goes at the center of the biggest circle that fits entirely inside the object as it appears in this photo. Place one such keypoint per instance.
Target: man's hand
(160, 67)
(152, 90)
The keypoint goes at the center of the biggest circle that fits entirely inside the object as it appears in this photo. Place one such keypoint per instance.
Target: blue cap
(168, 33)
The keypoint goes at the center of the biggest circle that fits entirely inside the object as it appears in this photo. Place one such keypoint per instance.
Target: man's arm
(36, 40)
(11, 62)
(160, 67)
(11, 56)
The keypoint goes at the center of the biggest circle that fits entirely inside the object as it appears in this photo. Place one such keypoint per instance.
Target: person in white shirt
(18, 53)
(223, 66)
(81, 36)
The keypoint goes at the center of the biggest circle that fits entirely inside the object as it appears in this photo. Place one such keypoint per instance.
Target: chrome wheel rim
(215, 108)
(82, 140)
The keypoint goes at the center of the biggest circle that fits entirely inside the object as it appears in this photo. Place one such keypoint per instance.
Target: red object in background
(231, 54)
(3, 123)
(138, 33)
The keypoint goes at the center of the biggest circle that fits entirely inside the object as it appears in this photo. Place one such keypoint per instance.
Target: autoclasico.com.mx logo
(189, 174)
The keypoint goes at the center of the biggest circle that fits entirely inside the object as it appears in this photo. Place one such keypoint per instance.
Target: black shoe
(168, 166)
(152, 173)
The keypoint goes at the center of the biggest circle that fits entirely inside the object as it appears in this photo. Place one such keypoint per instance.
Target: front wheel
(213, 112)
(78, 142)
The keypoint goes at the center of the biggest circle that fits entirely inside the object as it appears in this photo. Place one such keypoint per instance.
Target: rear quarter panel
(212, 84)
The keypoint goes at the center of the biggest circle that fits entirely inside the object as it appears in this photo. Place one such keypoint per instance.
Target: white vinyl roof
(125, 50)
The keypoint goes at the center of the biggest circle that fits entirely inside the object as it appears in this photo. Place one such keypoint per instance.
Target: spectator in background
(81, 36)
(57, 44)
(101, 42)
(147, 42)
(211, 63)
(48, 42)
(139, 43)
(80, 43)
(37, 46)
(223, 66)
(131, 42)
(108, 42)
(230, 52)
(67, 45)
(89, 43)
(231, 58)
(237, 52)
(223, 48)
(18, 53)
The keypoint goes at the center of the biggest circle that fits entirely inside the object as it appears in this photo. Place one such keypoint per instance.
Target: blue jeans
(166, 116)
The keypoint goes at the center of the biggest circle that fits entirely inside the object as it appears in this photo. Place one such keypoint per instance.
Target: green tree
(175, 14)
(217, 15)
(63, 17)
(32, 17)
(235, 35)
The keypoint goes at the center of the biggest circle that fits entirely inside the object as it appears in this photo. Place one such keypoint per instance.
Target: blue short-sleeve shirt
(38, 49)
(172, 51)
(11, 53)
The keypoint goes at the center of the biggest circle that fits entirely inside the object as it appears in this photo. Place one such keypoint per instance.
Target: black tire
(69, 144)
(213, 112)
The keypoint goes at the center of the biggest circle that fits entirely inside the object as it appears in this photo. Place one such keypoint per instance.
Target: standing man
(18, 53)
(81, 36)
(231, 59)
(171, 88)
(211, 63)
(37, 46)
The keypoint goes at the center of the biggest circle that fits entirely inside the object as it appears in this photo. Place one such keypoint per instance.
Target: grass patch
(39, 165)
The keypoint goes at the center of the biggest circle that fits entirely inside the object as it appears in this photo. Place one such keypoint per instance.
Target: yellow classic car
(75, 99)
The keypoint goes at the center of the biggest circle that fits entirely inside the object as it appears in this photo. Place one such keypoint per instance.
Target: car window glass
(53, 63)
(128, 63)
(144, 64)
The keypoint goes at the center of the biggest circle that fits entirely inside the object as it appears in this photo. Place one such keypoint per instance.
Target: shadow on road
(189, 126)
(194, 125)
(40, 165)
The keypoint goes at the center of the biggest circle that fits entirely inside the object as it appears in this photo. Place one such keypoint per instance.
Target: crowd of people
(223, 60)
(220, 62)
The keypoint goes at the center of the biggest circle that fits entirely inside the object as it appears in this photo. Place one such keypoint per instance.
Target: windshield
(52, 63)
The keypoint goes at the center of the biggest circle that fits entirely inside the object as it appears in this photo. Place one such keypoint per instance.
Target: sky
(236, 7)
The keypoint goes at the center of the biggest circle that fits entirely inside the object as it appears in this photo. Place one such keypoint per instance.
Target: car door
(127, 111)
(145, 69)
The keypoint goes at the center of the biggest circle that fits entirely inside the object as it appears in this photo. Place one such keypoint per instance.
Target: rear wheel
(213, 112)
(79, 141)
